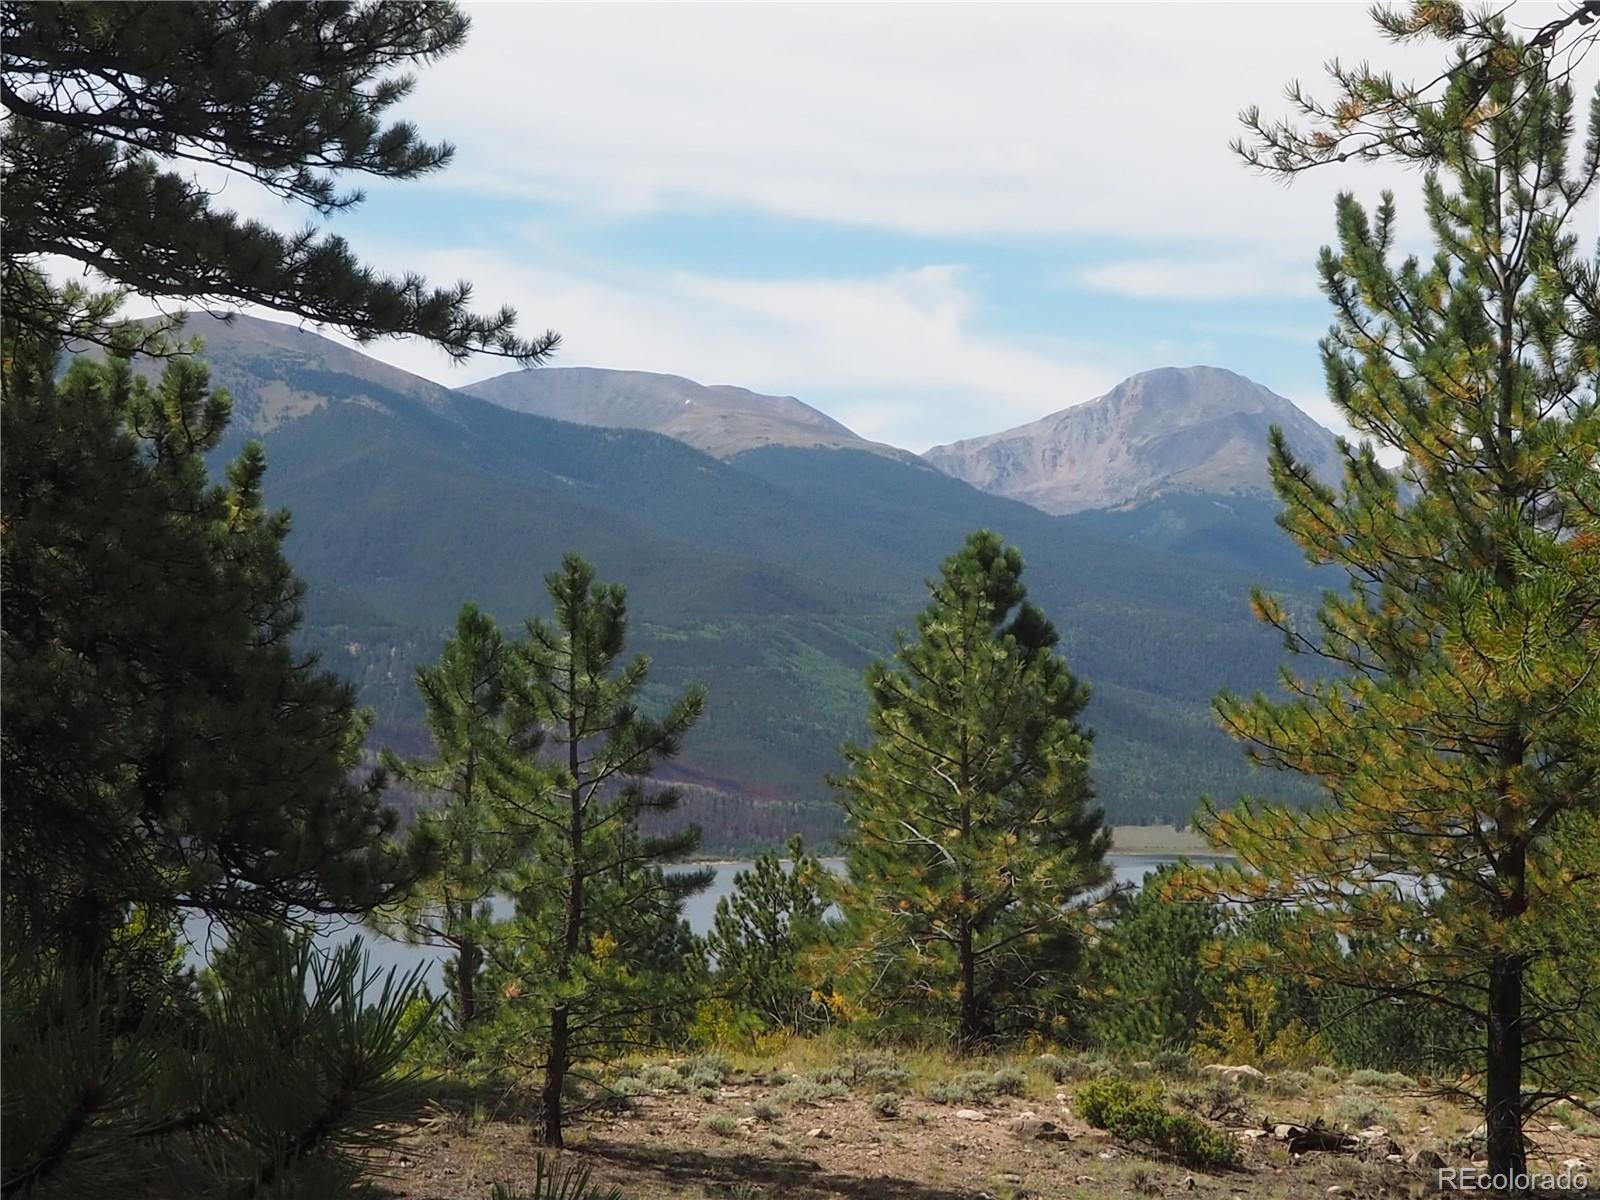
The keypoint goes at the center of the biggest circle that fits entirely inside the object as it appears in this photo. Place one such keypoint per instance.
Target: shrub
(1008, 1081)
(1290, 1083)
(1176, 1064)
(885, 1104)
(1137, 1114)
(978, 1087)
(554, 1180)
(810, 1091)
(721, 1124)
(766, 1111)
(715, 1067)
(630, 1085)
(663, 1079)
(706, 1095)
(1324, 1074)
(1075, 1066)
(875, 1069)
(1357, 1112)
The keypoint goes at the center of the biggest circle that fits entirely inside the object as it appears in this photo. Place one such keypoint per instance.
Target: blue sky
(929, 222)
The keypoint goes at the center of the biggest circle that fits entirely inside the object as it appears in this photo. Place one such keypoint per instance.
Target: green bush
(1008, 1081)
(1176, 1064)
(1075, 1066)
(875, 1069)
(979, 1087)
(1138, 1114)
(1357, 1112)
(810, 1091)
(1289, 1083)
(885, 1104)
(554, 1180)
(766, 1111)
(703, 1068)
(721, 1124)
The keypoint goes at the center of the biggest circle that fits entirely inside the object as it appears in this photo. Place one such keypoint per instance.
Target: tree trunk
(1503, 1099)
(970, 1031)
(466, 982)
(555, 1076)
(555, 1070)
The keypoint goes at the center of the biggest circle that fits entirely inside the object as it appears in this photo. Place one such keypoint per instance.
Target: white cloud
(1230, 277)
(1083, 119)
(898, 357)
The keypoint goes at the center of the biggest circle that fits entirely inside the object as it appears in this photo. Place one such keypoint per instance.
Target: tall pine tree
(599, 951)
(108, 105)
(1453, 717)
(165, 746)
(971, 828)
(484, 768)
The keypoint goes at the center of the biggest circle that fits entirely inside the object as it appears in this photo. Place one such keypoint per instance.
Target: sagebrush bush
(1063, 1068)
(810, 1091)
(1176, 1064)
(885, 1104)
(979, 1087)
(713, 1067)
(1289, 1083)
(766, 1111)
(721, 1124)
(1357, 1112)
(1009, 1081)
(877, 1070)
(1138, 1114)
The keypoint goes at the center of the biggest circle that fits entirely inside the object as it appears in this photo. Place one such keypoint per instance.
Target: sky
(930, 222)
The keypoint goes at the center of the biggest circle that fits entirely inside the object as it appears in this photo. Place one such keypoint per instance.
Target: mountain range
(769, 553)
(1177, 429)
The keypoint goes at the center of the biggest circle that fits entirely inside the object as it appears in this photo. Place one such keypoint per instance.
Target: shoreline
(1157, 841)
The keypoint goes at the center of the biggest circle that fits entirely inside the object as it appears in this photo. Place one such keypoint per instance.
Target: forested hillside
(774, 577)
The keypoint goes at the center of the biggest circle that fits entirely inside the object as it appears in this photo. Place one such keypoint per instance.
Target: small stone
(1394, 1158)
(1426, 1160)
(1574, 1164)
(817, 1133)
(970, 1114)
(1336, 1190)
(1188, 1183)
(1283, 1132)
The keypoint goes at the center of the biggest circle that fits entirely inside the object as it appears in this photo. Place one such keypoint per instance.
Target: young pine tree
(762, 932)
(484, 768)
(1457, 736)
(972, 832)
(603, 956)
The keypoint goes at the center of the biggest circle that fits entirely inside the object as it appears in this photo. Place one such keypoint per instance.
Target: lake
(699, 911)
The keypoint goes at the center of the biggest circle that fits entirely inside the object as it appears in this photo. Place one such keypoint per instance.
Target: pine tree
(278, 1080)
(1151, 972)
(1452, 714)
(600, 947)
(108, 104)
(165, 747)
(485, 765)
(972, 834)
(762, 932)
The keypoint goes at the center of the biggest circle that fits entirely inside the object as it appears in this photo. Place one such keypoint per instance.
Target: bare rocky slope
(1176, 429)
(721, 421)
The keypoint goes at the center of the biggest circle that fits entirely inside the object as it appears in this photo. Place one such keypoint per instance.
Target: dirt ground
(743, 1142)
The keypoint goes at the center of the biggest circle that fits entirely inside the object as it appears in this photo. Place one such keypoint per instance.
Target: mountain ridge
(720, 419)
(1194, 429)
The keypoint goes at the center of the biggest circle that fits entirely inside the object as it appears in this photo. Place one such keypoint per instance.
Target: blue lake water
(699, 911)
